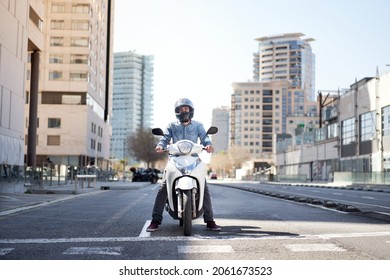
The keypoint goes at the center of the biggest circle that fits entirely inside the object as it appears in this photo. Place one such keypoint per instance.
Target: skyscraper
(221, 120)
(132, 98)
(286, 57)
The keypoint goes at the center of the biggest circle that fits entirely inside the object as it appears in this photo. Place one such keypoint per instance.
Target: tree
(229, 161)
(221, 164)
(141, 146)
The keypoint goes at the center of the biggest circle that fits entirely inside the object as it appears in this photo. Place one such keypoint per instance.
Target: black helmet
(184, 116)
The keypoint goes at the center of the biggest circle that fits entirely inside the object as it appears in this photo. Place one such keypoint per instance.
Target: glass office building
(132, 99)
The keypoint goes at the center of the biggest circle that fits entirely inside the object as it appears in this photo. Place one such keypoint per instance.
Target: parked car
(145, 175)
(213, 176)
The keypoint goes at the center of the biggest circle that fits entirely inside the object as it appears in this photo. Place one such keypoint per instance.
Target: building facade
(353, 144)
(20, 33)
(286, 57)
(260, 110)
(221, 119)
(74, 92)
(132, 99)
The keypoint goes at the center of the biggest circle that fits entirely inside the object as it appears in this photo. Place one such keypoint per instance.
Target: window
(267, 107)
(80, 25)
(57, 24)
(56, 58)
(56, 41)
(54, 123)
(93, 144)
(80, 8)
(57, 7)
(348, 131)
(79, 59)
(79, 42)
(53, 140)
(367, 126)
(386, 121)
(55, 75)
(78, 76)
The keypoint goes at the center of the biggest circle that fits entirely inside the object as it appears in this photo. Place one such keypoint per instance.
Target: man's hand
(210, 149)
(159, 149)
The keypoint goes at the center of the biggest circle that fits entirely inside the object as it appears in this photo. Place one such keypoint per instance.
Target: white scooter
(185, 176)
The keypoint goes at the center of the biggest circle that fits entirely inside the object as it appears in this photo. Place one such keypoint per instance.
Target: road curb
(41, 204)
(315, 201)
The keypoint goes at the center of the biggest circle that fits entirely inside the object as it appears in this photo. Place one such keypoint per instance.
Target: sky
(201, 47)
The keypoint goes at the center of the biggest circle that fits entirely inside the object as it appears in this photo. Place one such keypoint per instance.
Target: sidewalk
(11, 203)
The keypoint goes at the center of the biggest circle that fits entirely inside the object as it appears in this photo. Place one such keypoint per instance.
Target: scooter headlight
(185, 147)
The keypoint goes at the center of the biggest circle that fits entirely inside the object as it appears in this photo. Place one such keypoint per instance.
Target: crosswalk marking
(144, 233)
(94, 251)
(221, 236)
(5, 251)
(314, 247)
(205, 249)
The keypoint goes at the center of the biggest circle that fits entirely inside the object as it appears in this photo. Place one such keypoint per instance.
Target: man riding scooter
(184, 128)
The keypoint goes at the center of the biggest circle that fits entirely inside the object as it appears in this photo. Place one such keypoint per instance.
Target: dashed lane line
(113, 251)
(205, 249)
(314, 248)
(5, 251)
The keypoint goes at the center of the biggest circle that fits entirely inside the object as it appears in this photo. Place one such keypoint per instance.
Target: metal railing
(50, 174)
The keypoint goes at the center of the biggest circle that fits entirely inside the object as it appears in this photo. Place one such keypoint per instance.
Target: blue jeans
(161, 199)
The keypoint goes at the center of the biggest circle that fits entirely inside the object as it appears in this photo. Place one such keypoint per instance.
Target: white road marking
(113, 251)
(9, 197)
(351, 235)
(314, 247)
(144, 233)
(5, 251)
(335, 193)
(191, 238)
(368, 197)
(204, 249)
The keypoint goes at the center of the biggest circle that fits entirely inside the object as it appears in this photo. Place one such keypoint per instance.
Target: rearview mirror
(212, 130)
(157, 131)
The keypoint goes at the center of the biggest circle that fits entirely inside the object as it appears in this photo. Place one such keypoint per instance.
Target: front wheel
(187, 212)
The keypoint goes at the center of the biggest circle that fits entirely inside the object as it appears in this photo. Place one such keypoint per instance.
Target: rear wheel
(187, 212)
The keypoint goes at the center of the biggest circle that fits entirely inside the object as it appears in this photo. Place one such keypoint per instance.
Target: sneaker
(152, 227)
(213, 226)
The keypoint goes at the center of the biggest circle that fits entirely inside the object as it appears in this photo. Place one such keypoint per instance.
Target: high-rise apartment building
(132, 98)
(74, 93)
(286, 57)
(279, 100)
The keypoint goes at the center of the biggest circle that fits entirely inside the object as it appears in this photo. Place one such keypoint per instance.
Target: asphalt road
(368, 201)
(110, 225)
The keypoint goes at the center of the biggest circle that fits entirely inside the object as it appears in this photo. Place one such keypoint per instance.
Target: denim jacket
(176, 131)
